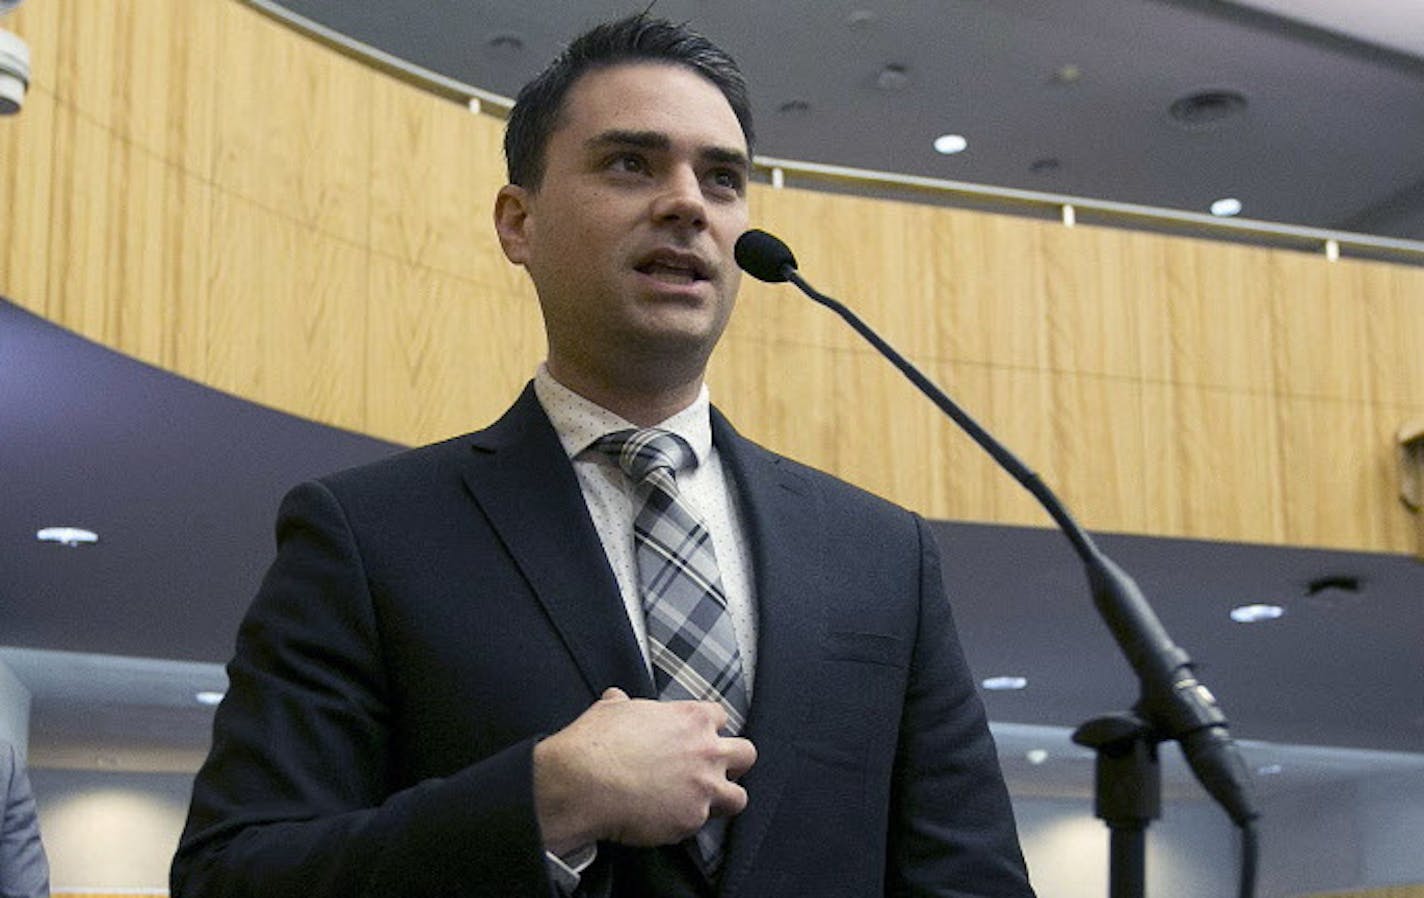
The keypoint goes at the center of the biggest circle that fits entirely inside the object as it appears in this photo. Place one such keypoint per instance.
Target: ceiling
(1065, 98)
(182, 482)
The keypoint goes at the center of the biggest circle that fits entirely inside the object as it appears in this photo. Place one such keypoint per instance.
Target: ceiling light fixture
(949, 144)
(1036, 756)
(861, 18)
(1207, 108)
(1005, 684)
(1342, 583)
(209, 697)
(893, 78)
(14, 72)
(506, 43)
(1226, 207)
(1333, 592)
(67, 536)
(1254, 614)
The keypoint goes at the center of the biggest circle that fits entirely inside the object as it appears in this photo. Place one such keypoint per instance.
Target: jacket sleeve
(952, 831)
(24, 869)
(297, 798)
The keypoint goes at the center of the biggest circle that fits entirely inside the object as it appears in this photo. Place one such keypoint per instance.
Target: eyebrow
(656, 140)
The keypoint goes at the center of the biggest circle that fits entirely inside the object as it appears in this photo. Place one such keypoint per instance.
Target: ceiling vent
(507, 43)
(1207, 108)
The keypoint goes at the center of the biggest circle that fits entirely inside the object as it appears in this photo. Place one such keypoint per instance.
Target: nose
(681, 202)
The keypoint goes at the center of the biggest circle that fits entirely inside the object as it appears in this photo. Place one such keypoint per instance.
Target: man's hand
(638, 772)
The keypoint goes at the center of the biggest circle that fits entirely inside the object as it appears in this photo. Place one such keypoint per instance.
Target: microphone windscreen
(763, 256)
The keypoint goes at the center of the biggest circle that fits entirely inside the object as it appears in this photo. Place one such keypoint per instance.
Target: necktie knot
(641, 453)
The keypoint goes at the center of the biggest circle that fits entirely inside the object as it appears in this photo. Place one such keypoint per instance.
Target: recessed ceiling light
(1226, 207)
(1005, 684)
(893, 78)
(67, 536)
(506, 43)
(1332, 583)
(1036, 756)
(861, 18)
(1207, 108)
(1254, 614)
(208, 697)
(949, 144)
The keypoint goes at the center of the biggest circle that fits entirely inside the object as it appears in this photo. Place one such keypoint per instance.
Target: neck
(643, 403)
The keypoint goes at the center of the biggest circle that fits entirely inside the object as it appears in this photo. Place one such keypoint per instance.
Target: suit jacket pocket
(871, 648)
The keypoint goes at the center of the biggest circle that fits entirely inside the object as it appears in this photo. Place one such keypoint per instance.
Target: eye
(631, 163)
(729, 180)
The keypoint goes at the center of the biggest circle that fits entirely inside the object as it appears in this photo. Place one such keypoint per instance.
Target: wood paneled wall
(1400, 891)
(197, 186)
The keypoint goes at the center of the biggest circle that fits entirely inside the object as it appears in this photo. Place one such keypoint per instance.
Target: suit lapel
(779, 508)
(524, 483)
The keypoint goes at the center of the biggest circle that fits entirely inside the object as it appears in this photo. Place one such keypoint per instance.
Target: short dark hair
(634, 39)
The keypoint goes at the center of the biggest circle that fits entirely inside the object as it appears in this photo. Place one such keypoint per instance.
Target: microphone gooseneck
(1173, 702)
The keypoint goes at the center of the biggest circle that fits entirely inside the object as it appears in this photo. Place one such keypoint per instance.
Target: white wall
(1310, 841)
(110, 831)
(1392, 832)
(1191, 850)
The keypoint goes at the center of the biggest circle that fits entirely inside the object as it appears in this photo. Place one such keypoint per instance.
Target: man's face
(629, 237)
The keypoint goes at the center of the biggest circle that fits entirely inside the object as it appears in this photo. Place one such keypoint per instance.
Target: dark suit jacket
(430, 616)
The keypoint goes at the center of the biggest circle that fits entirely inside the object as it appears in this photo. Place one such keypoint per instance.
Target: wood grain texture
(197, 186)
(295, 129)
(1414, 890)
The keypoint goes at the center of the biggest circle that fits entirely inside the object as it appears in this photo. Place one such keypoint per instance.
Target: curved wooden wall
(195, 185)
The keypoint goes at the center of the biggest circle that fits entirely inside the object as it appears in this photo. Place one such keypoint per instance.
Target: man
(568, 654)
(24, 869)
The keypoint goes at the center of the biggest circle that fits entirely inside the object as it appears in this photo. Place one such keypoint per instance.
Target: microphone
(764, 257)
(1173, 703)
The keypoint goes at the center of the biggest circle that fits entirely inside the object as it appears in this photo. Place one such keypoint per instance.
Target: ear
(513, 222)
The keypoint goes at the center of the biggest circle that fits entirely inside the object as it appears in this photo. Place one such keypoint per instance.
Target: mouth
(674, 267)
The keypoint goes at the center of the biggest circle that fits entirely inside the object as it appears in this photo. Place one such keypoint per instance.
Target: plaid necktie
(691, 643)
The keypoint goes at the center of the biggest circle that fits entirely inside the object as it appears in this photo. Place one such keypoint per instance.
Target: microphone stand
(1172, 704)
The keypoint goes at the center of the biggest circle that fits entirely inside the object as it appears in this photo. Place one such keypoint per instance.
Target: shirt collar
(579, 421)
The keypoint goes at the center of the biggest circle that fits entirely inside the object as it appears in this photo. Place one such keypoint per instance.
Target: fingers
(718, 713)
(729, 800)
(639, 771)
(740, 755)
